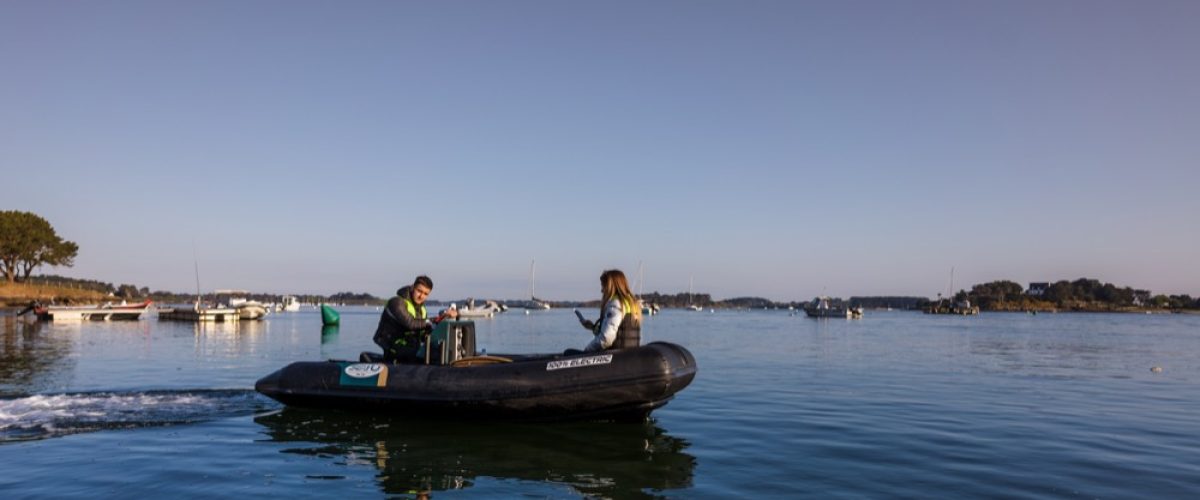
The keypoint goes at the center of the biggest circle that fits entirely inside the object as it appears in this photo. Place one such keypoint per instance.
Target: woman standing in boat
(620, 324)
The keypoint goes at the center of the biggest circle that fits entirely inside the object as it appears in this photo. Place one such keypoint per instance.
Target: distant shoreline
(18, 295)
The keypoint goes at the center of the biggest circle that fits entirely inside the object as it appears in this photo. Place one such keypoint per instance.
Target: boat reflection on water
(32, 359)
(215, 329)
(420, 457)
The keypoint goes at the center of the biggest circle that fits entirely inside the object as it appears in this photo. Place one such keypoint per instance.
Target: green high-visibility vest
(415, 311)
(413, 308)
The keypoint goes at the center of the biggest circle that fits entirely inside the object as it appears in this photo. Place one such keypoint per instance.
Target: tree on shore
(28, 241)
(1083, 294)
(997, 293)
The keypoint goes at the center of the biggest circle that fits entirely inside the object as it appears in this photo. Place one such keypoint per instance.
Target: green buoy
(329, 316)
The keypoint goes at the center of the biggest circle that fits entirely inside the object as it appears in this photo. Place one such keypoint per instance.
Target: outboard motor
(33, 305)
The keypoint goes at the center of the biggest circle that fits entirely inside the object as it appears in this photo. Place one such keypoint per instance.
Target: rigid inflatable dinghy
(625, 384)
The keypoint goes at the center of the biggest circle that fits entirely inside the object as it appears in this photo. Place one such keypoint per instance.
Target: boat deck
(95, 314)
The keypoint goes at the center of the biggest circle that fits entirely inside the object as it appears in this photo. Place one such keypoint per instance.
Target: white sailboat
(649, 309)
(694, 307)
(947, 305)
(535, 303)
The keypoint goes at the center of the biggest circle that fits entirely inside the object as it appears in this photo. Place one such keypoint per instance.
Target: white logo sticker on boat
(578, 362)
(364, 370)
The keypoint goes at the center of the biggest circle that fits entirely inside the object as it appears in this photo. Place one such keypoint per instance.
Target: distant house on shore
(1141, 297)
(1037, 289)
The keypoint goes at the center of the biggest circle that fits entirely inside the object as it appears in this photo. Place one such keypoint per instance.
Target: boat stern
(679, 366)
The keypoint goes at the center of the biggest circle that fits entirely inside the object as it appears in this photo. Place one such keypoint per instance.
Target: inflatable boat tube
(624, 385)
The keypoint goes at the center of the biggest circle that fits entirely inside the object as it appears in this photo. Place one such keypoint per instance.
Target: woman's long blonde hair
(613, 284)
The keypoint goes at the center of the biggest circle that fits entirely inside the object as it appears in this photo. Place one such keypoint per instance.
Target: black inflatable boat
(624, 384)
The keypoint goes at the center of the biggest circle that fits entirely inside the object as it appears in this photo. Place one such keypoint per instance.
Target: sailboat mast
(196, 264)
(640, 276)
(532, 291)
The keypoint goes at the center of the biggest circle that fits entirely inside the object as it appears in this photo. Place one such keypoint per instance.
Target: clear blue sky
(777, 149)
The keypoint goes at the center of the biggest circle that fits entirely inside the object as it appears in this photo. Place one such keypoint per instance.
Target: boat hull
(828, 313)
(251, 311)
(611, 385)
(475, 313)
(106, 312)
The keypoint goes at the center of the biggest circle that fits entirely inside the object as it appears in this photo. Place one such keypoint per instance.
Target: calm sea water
(897, 404)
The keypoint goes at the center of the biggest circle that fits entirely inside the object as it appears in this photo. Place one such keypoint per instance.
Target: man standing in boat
(404, 322)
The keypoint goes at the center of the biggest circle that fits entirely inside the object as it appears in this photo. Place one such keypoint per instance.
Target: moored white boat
(470, 310)
(245, 307)
(289, 304)
(825, 307)
(251, 309)
(106, 312)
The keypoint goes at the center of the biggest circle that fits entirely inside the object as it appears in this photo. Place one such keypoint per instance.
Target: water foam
(48, 415)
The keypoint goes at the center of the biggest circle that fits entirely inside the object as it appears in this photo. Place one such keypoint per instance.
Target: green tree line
(1080, 294)
(678, 299)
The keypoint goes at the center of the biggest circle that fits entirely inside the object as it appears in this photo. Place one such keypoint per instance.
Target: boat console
(451, 341)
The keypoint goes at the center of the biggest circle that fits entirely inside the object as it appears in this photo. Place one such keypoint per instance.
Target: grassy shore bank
(19, 294)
